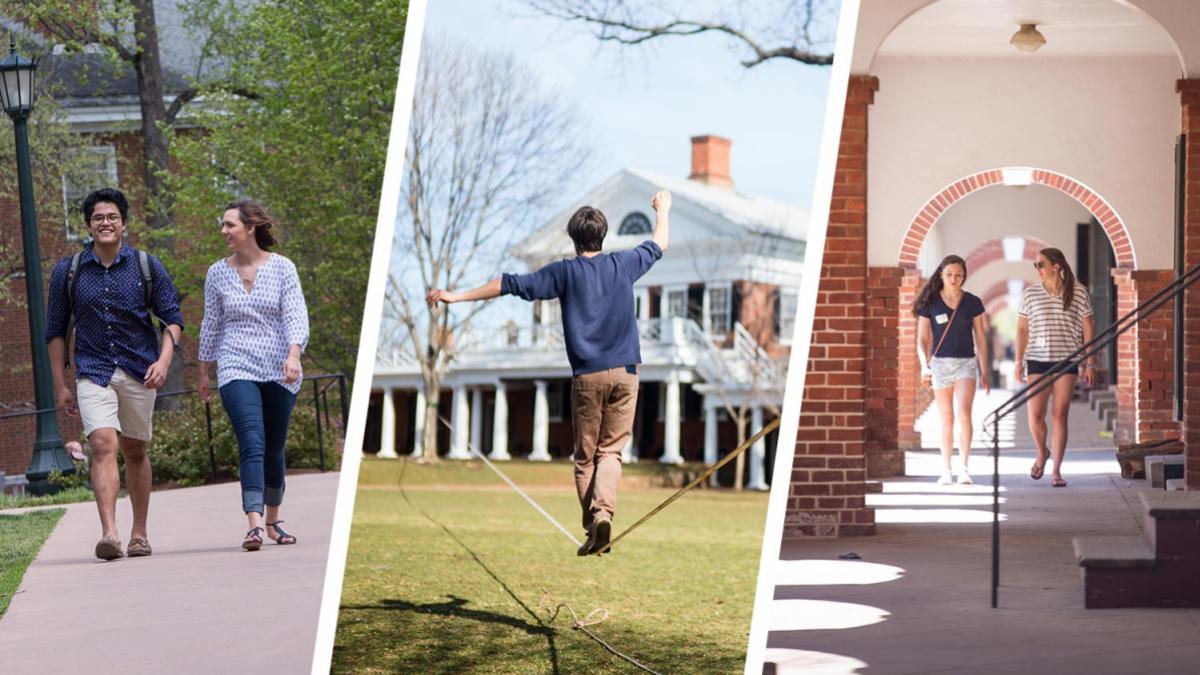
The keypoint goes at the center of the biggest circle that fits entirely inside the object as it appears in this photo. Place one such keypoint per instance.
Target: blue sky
(644, 104)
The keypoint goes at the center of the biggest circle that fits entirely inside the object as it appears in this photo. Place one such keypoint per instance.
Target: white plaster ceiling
(982, 28)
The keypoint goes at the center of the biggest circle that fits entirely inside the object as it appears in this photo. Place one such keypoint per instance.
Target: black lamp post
(16, 96)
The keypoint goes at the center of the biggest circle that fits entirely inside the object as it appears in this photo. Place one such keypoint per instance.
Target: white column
(419, 422)
(627, 451)
(758, 453)
(541, 424)
(500, 424)
(477, 420)
(671, 423)
(387, 438)
(460, 420)
(710, 439)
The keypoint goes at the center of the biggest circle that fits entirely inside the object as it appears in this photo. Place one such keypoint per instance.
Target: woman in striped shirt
(1054, 321)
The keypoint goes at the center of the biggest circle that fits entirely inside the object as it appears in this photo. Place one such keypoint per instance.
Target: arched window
(635, 223)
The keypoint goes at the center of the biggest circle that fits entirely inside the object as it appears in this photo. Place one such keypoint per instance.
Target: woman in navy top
(952, 346)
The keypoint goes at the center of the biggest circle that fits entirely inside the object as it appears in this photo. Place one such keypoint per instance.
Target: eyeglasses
(101, 218)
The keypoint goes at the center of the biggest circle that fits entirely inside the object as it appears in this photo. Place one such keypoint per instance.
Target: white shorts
(124, 405)
(950, 369)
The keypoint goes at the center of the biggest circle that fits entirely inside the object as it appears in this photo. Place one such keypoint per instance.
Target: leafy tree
(310, 144)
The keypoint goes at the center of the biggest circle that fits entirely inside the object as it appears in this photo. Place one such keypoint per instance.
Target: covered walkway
(918, 600)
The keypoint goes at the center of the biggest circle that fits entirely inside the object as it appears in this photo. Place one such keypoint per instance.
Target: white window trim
(641, 302)
(109, 152)
(785, 336)
(666, 299)
(706, 306)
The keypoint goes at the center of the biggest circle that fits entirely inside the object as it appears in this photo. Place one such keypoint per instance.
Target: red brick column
(1145, 353)
(1189, 91)
(892, 370)
(828, 484)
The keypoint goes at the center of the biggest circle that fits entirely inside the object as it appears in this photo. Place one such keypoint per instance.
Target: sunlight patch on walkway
(945, 516)
(833, 572)
(823, 615)
(800, 661)
(916, 499)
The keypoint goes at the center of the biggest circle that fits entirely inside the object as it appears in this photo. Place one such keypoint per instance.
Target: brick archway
(997, 294)
(928, 215)
(992, 251)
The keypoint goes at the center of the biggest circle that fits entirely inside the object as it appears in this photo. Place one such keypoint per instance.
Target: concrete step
(1172, 524)
(1161, 468)
(1176, 485)
(1106, 407)
(1109, 418)
(1097, 396)
(1113, 552)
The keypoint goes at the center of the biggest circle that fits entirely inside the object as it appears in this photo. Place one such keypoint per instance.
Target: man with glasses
(110, 292)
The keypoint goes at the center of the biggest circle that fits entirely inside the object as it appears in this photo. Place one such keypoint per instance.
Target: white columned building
(710, 438)
(758, 452)
(541, 424)
(500, 424)
(477, 419)
(387, 437)
(419, 422)
(671, 422)
(460, 418)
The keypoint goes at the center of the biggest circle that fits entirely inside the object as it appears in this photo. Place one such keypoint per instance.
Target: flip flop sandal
(108, 549)
(284, 537)
(138, 547)
(1038, 470)
(253, 540)
(1058, 482)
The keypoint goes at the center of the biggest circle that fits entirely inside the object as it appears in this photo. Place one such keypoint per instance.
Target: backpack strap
(72, 281)
(147, 272)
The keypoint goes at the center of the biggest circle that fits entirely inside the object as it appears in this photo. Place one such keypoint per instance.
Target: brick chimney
(710, 161)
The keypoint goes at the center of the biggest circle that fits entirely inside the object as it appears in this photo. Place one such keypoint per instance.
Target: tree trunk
(739, 464)
(432, 381)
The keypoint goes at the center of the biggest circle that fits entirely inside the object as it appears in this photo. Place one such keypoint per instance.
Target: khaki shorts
(124, 405)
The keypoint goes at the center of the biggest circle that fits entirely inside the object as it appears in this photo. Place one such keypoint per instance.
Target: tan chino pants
(602, 408)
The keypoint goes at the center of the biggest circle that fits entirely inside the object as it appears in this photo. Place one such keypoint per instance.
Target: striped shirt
(1054, 333)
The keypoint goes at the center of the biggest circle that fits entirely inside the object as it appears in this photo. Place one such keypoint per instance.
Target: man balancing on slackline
(595, 292)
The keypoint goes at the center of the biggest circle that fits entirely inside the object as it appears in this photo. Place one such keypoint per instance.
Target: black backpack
(143, 259)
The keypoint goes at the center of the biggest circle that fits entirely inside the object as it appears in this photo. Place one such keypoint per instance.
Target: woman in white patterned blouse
(255, 327)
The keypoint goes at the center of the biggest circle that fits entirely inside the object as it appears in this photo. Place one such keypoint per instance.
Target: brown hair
(1056, 257)
(935, 284)
(254, 215)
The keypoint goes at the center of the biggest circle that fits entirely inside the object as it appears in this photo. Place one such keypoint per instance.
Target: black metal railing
(321, 384)
(1098, 342)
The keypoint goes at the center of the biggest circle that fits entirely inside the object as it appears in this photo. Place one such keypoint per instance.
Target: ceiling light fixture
(1027, 40)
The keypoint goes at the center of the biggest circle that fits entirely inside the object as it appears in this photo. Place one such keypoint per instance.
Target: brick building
(715, 315)
(953, 141)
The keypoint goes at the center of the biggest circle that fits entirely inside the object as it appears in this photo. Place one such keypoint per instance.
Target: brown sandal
(253, 540)
(109, 549)
(138, 547)
(1038, 470)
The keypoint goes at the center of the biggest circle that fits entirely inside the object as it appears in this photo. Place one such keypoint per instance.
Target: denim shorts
(950, 369)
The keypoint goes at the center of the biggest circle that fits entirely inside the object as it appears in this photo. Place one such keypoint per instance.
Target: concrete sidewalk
(198, 605)
(919, 600)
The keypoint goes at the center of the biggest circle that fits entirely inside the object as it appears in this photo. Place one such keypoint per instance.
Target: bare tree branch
(795, 26)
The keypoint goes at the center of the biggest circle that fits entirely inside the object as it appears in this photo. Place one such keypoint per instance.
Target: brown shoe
(601, 532)
(108, 549)
(137, 548)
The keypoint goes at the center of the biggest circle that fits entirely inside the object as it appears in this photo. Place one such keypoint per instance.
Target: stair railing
(1106, 338)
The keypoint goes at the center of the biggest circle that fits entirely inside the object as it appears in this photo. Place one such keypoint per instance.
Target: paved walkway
(919, 600)
(198, 605)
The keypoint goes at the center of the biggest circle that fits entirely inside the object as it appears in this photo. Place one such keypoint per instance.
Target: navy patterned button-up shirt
(113, 326)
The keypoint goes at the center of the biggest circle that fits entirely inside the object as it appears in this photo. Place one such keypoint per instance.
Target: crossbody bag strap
(946, 331)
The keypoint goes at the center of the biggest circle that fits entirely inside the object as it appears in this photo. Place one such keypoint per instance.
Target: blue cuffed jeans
(259, 412)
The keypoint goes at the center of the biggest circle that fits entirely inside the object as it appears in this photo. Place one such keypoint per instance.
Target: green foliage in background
(301, 124)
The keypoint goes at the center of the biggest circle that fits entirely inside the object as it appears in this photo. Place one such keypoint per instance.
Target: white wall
(1108, 123)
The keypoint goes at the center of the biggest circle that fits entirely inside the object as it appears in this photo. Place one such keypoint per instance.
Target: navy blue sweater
(596, 296)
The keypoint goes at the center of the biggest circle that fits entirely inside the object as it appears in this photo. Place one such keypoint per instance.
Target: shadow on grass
(455, 607)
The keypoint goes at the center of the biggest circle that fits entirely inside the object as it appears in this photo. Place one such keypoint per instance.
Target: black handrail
(1106, 338)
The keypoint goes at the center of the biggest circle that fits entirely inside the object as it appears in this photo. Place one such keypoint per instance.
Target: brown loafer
(108, 549)
(137, 548)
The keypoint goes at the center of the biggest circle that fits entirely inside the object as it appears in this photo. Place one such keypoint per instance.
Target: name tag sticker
(941, 318)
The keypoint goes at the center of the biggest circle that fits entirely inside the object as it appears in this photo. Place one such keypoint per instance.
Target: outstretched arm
(485, 292)
(661, 201)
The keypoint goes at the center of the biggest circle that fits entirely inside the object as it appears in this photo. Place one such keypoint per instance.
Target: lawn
(68, 496)
(21, 537)
(447, 569)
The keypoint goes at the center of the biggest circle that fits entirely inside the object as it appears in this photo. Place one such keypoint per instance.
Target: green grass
(67, 496)
(458, 473)
(21, 537)
(449, 580)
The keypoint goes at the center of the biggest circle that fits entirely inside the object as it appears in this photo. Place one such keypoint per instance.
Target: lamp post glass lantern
(16, 96)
